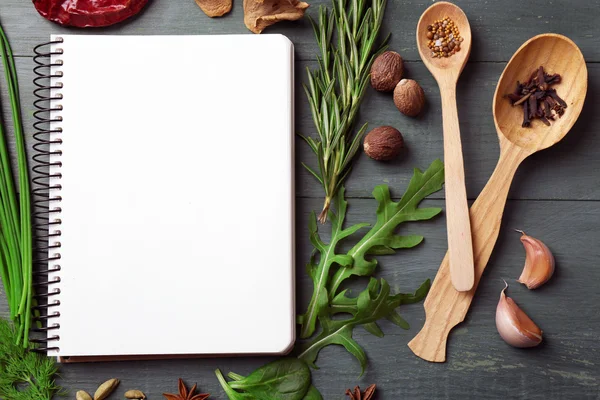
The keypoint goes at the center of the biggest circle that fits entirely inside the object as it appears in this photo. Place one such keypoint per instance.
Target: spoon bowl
(557, 54)
(449, 66)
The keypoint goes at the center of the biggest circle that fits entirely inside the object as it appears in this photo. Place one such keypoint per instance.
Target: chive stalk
(16, 243)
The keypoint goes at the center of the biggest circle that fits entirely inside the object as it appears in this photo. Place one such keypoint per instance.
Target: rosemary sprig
(336, 88)
(15, 231)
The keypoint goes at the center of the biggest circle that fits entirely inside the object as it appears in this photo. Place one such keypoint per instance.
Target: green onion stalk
(348, 45)
(15, 210)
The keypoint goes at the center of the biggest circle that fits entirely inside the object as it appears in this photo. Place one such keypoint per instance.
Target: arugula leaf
(284, 379)
(319, 273)
(344, 304)
(381, 239)
(24, 374)
(371, 305)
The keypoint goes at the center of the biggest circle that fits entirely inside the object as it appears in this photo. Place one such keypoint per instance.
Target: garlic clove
(539, 262)
(514, 326)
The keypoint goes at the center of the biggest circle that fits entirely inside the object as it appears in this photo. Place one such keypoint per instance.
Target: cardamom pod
(135, 394)
(106, 389)
(82, 395)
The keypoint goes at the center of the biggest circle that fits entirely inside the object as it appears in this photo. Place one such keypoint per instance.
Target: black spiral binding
(46, 193)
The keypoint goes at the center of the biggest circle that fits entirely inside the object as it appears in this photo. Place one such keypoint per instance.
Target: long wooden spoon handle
(460, 245)
(445, 307)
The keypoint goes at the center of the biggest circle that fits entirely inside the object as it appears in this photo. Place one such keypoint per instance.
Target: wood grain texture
(460, 243)
(554, 53)
(446, 72)
(444, 306)
(567, 217)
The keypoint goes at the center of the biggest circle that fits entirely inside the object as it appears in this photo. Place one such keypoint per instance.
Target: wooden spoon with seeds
(444, 306)
(446, 71)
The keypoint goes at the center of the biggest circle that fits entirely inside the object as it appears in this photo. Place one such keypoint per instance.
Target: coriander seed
(444, 38)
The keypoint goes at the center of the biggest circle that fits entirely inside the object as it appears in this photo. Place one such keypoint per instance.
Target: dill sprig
(347, 40)
(15, 211)
(24, 374)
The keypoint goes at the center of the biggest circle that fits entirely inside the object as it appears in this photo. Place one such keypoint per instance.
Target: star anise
(356, 394)
(185, 395)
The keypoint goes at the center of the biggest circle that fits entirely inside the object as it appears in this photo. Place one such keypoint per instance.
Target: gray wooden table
(555, 197)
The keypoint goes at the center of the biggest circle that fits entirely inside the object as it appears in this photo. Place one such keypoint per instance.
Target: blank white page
(177, 195)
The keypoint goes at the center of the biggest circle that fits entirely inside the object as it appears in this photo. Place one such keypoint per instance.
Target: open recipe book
(171, 170)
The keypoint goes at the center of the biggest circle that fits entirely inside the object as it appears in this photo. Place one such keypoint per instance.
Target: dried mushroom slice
(215, 8)
(259, 14)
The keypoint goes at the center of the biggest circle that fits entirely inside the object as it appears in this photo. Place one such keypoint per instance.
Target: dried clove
(538, 100)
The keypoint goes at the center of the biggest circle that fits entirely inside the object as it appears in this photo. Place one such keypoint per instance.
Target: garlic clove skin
(514, 326)
(539, 262)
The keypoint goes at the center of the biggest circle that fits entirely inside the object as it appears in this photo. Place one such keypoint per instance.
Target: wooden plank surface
(555, 197)
(499, 27)
(540, 177)
(481, 365)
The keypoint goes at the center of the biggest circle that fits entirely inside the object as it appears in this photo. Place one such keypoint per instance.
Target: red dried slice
(88, 13)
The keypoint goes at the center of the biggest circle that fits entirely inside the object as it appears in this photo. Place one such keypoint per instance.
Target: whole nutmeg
(386, 71)
(383, 143)
(409, 97)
